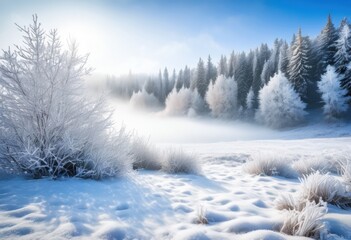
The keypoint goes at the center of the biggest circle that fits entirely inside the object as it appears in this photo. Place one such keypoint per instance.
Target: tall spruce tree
(299, 64)
(211, 72)
(342, 56)
(200, 80)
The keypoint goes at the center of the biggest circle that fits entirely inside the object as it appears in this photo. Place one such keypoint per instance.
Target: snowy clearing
(155, 205)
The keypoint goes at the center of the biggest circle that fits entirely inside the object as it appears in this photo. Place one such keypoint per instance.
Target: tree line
(303, 62)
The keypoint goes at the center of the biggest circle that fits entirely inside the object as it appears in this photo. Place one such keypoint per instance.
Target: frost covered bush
(307, 222)
(48, 125)
(269, 164)
(145, 155)
(317, 186)
(221, 97)
(143, 99)
(334, 96)
(178, 103)
(177, 161)
(184, 102)
(311, 164)
(279, 104)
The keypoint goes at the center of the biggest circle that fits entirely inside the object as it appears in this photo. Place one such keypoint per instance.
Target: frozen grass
(286, 202)
(145, 155)
(322, 163)
(346, 173)
(317, 186)
(270, 165)
(201, 216)
(177, 161)
(307, 222)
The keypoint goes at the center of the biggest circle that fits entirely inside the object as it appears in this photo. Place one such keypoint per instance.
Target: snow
(155, 205)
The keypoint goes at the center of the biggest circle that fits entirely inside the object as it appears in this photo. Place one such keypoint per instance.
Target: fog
(160, 128)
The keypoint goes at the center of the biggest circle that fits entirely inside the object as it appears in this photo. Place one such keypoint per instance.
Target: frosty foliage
(145, 155)
(307, 222)
(317, 186)
(48, 125)
(221, 97)
(144, 100)
(177, 161)
(346, 173)
(333, 95)
(269, 165)
(184, 102)
(279, 104)
(311, 164)
(178, 103)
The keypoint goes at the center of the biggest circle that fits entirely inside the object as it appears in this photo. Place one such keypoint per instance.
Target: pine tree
(231, 64)
(180, 80)
(200, 80)
(326, 48)
(187, 77)
(166, 84)
(299, 64)
(342, 56)
(283, 62)
(211, 72)
(223, 66)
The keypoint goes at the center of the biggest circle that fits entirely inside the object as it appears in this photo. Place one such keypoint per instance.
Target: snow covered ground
(155, 205)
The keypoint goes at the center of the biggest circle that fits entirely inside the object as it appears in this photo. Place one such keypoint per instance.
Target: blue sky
(147, 35)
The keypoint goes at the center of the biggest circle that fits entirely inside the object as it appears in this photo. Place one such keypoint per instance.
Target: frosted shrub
(317, 186)
(145, 156)
(269, 164)
(221, 97)
(333, 95)
(144, 100)
(178, 103)
(279, 104)
(312, 164)
(48, 125)
(185, 102)
(307, 222)
(177, 161)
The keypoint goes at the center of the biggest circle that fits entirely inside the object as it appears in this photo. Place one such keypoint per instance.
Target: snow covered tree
(333, 95)
(143, 100)
(222, 97)
(231, 63)
(211, 72)
(150, 86)
(184, 102)
(178, 103)
(200, 82)
(223, 66)
(280, 105)
(187, 77)
(243, 77)
(173, 80)
(342, 56)
(180, 80)
(283, 61)
(325, 47)
(299, 64)
(48, 126)
(166, 83)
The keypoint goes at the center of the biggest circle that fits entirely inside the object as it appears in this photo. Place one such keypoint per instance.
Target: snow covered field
(155, 205)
